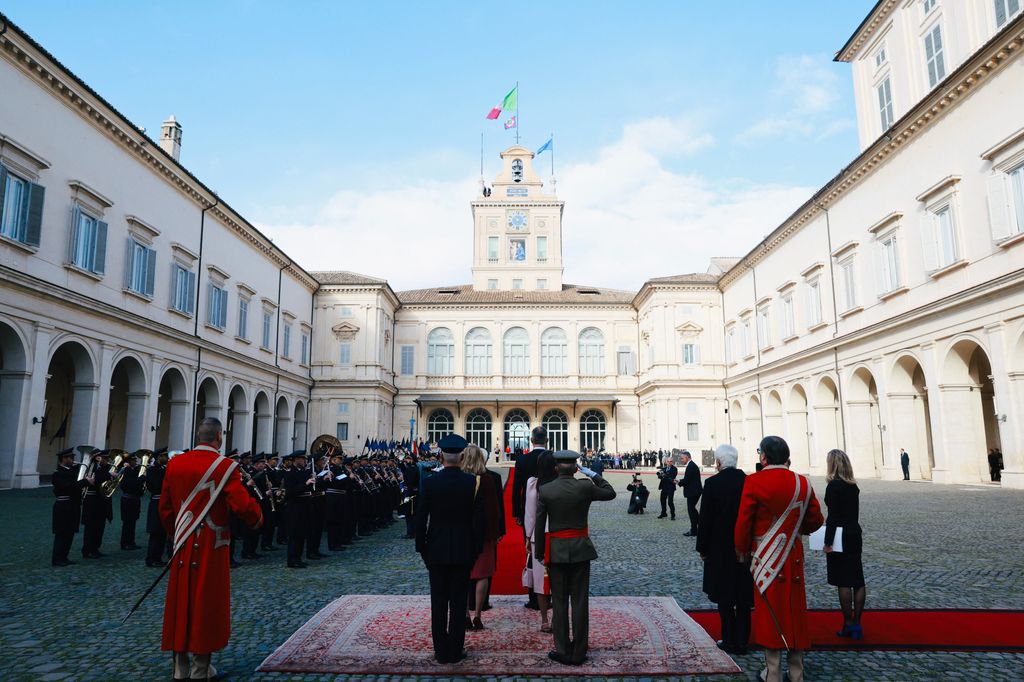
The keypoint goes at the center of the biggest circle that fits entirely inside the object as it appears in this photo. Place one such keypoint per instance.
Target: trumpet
(117, 471)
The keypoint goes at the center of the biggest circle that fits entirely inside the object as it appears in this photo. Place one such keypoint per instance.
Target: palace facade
(887, 312)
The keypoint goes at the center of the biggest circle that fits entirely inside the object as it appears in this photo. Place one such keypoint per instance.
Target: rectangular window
(217, 308)
(140, 268)
(342, 431)
(928, 5)
(492, 249)
(267, 328)
(890, 270)
(934, 57)
(849, 284)
(764, 330)
(492, 284)
(885, 104)
(517, 284)
(745, 337)
(788, 318)
(287, 342)
(542, 284)
(625, 361)
(946, 247)
(692, 432)
(408, 360)
(88, 242)
(813, 302)
(345, 356)
(1017, 195)
(304, 350)
(184, 282)
(1005, 9)
(542, 249)
(342, 408)
(691, 354)
(243, 318)
(880, 57)
(21, 208)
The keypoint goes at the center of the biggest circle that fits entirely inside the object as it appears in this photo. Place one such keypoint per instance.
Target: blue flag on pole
(546, 146)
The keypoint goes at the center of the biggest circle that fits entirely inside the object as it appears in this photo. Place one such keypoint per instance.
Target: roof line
(860, 27)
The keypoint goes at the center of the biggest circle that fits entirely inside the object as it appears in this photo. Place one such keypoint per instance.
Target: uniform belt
(89, 493)
(331, 491)
(304, 495)
(63, 498)
(565, 534)
(129, 497)
(154, 497)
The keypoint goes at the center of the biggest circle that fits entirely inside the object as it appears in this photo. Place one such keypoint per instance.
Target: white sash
(774, 547)
(187, 522)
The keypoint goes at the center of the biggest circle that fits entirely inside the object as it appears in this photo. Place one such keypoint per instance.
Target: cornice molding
(942, 184)
(885, 221)
(1004, 47)
(865, 32)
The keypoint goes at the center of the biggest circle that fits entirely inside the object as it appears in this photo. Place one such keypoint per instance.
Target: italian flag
(508, 104)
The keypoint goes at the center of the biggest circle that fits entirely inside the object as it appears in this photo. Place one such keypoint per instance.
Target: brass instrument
(117, 471)
(146, 457)
(269, 491)
(246, 477)
(86, 463)
(325, 446)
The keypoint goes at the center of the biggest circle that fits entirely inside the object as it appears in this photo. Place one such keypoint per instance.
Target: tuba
(146, 457)
(85, 461)
(325, 446)
(117, 469)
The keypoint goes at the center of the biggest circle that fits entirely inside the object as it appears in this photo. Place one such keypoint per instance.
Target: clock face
(517, 220)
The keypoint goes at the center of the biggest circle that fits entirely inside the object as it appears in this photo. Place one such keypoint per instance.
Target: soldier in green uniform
(563, 506)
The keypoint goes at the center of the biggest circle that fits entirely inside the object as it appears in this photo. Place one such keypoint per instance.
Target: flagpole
(552, 150)
(481, 155)
(517, 112)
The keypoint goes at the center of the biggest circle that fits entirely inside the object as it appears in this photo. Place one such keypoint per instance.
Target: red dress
(197, 613)
(766, 495)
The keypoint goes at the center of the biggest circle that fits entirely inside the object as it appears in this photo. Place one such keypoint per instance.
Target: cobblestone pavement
(925, 547)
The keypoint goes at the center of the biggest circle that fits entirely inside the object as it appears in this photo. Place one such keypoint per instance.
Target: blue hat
(453, 442)
(298, 453)
(566, 456)
(66, 452)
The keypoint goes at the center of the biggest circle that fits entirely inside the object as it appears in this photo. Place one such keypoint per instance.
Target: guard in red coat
(776, 507)
(200, 489)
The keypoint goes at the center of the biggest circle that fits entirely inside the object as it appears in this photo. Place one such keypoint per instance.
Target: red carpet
(508, 575)
(952, 630)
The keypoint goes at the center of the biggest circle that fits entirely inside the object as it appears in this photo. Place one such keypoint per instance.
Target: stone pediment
(345, 331)
(689, 329)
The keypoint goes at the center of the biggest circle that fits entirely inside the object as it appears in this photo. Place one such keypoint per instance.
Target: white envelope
(818, 539)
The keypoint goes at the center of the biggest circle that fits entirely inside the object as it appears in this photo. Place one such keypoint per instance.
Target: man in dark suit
(563, 507)
(667, 486)
(905, 463)
(449, 536)
(692, 487)
(526, 466)
(727, 582)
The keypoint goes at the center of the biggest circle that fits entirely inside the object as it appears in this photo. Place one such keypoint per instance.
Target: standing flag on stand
(508, 104)
(545, 147)
(511, 123)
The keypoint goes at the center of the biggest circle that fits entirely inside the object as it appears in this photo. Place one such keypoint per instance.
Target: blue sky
(350, 132)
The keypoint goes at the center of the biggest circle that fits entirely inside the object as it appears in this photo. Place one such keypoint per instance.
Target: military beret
(453, 442)
(66, 452)
(566, 456)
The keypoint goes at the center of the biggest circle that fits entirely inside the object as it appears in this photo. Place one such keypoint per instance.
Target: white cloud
(802, 102)
(628, 217)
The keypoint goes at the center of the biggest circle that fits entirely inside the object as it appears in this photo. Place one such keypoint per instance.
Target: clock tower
(517, 230)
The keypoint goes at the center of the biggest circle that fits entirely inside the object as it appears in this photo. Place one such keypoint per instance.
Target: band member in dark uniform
(254, 481)
(272, 504)
(157, 534)
(411, 477)
(298, 491)
(67, 490)
(287, 464)
(318, 509)
(97, 509)
(335, 501)
(132, 488)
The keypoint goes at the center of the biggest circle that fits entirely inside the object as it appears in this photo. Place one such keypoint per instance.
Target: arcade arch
(14, 380)
(864, 436)
(828, 427)
(172, 412)
(236, 431)
(70, 400)
(262, 424)
(798, 433)
(968, 404)
(282, 427)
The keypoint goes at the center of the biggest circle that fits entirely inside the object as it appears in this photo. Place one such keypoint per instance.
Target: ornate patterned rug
(390, 635)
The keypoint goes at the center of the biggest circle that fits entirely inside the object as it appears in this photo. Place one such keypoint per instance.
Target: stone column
(1013, 474)
(902, 432)
(890, 470)
(137, 426)
(860, 432)
(964, 434)
(941, 448)
(26, 457)
(1010, 436)
(97, 431)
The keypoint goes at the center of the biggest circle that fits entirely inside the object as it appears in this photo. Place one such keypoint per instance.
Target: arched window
(517, 352)
(440, 352)
(517, 171)
(439, 424)
(553, 349)
(478, 428)
(591, 352)
(517, 430)
(557, 425)
(592, 428)
(478, 352)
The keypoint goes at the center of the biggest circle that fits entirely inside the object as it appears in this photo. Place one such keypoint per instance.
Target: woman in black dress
(845, 570)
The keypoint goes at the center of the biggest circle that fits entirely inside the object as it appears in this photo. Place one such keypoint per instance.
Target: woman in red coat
(776, 507)
(197, 613)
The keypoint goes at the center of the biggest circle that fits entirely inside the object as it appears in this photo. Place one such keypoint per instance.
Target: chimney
(170, 137)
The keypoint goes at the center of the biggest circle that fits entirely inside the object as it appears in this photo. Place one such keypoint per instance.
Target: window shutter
(696, 353)
(150, 272)
(101, 248)
(211, 302)
(878, 264)
(223, 308)
(34, 228)
(76, 217)
(3, 189)
(999, 206)
(928, 250)
(191, 304)
(129, 263)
